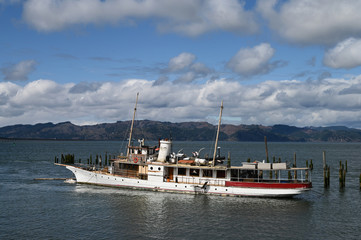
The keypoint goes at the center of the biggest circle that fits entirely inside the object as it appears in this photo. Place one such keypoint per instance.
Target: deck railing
(201, 181)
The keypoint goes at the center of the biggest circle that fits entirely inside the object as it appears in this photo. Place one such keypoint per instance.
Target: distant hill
(185, 131)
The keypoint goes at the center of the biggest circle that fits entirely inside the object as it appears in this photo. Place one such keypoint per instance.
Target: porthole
(108, 177)
(151, 168)
(215, 189)
(185, 186)
(122, 179)
(175, 185)
(138, 181)
(226, 190)
(159, 169)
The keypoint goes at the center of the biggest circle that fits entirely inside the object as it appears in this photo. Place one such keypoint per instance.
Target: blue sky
(272, 62)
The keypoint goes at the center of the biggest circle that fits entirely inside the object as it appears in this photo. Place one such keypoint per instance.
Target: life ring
(135, 159)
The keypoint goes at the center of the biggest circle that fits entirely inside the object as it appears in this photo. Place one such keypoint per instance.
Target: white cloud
(252, 61)
(181, 62)
(190, 17)
(228, 15)
(201, 69)
(184, 70)
(19, 71)
(186, 78)
(345, 54)
(313, 21)
(319, 103)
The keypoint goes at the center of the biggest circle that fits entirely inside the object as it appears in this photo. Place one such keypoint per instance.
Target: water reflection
(180, 216)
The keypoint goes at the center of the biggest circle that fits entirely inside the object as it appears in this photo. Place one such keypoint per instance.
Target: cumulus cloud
(345, 54)
(201, 69)
(186, 78)
(253, 61)
(323, 102)
(83, 87)
(162, 79)
(190, 17)
(312, 21)
(184, 69)
(19, 71)
(324, 75)
(181, 62)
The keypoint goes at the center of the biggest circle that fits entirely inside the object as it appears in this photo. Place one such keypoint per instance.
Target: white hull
(105, 179)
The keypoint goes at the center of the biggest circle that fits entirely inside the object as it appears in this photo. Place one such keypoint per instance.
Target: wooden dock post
(229, 160)
(326, 171)
(342, 175)
(295, 165)
(328, 176)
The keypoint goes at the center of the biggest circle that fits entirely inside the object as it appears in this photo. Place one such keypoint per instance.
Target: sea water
(40, 209)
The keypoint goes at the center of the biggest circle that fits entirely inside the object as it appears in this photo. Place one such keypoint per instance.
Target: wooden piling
(326, 171)
(295, 165)
(342, 175)
(328, 176)
(229, 160)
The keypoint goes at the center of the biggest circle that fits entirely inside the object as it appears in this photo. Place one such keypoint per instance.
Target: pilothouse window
(207, 173)
(182, 171)
(194, 172)
(221, 174)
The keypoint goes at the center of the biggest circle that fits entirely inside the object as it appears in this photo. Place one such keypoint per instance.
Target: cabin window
(182, 171)
(194, 172)
(207, 173)
(235, 174)
(221, 174)
(248, 174)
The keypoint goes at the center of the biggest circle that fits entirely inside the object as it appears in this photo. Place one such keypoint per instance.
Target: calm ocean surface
(33, 209)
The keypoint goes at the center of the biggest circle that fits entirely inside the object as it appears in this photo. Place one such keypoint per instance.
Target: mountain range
(185, 131)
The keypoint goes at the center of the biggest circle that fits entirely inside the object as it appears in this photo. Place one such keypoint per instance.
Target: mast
(219, 125)
(131, 128)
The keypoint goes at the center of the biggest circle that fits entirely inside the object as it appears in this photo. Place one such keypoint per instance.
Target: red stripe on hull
(268, 185)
